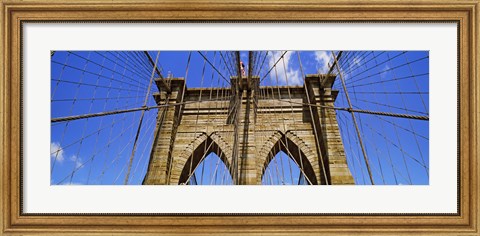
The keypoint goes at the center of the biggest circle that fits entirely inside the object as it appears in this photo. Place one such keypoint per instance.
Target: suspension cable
(354, 120)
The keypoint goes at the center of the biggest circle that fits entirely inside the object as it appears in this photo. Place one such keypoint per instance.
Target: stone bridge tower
(246, 135)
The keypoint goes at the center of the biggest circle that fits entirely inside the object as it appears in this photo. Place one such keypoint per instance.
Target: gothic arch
(202, 145)
(297, 150)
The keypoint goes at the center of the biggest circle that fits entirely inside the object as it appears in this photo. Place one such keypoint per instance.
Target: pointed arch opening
(282, 170)
(291, 162)
(208, 164)
(211, 171)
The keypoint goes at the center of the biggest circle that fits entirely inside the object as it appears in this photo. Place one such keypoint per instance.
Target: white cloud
(356, 63)
(284, 69)
(322, 58)
(386, 70)
(56, 151)
(357, 60)
(77, 160)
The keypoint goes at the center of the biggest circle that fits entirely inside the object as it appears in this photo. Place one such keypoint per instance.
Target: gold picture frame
(465, 13)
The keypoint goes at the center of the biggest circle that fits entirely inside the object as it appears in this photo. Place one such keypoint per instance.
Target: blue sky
(97, 150)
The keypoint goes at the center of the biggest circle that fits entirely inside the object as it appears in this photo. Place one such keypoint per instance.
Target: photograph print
(239, 118)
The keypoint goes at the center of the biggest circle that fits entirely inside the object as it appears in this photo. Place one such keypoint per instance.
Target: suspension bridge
(239, 117)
